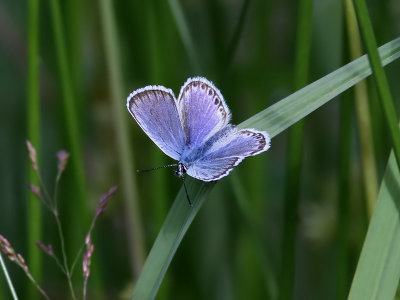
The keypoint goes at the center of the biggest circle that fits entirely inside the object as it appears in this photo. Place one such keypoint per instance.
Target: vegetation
(317, 216)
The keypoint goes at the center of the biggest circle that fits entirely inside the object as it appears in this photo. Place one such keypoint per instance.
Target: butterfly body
(194, 129)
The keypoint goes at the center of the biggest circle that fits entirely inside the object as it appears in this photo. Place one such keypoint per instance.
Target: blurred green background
(233, 249)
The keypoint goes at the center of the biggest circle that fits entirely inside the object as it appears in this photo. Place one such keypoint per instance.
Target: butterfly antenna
(187, 194)
(148, 170)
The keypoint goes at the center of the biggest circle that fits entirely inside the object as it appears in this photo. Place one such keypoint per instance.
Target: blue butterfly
(194, 129)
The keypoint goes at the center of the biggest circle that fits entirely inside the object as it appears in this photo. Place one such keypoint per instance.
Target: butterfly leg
(180, 171)
(187, 194)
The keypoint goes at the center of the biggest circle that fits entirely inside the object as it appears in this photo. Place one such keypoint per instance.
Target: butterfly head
(180, 170)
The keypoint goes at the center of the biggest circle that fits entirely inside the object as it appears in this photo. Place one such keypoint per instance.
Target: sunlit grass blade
(378, 270)
(379, 75)
(288, 111)
(274, 120)
(169, 238)
(33, 123)
(124, 150)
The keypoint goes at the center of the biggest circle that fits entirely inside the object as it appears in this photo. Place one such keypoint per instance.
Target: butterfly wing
(202, 109)
(225, 151)
(154, 109)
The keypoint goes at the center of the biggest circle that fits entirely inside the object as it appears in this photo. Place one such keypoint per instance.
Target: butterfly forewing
(154, 109)
(203, 111)
(195, 129)
(227, 151)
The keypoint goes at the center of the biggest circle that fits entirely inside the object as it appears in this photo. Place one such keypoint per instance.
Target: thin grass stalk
(295, 154)
(342, 275)
(129, 186)
(34, 219)
(64, 256)
(368, 163)
(274, 120)
(184, 32)
(379, 76)
(8, 279)
(79, 203)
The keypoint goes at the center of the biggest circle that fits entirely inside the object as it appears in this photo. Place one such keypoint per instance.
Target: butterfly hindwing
(154, 109)
(202, 109)
(227, 150)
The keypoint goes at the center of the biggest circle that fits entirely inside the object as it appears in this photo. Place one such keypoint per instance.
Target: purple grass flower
(104, 200)
(35, 190)
(62, 157)
(9, 251)
(87, 257)
(32, 155)
(47, 249)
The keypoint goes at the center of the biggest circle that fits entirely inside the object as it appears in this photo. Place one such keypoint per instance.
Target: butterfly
(194, 129)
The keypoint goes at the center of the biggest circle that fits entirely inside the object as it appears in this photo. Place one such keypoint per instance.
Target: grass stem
(33, 131)
(120, 117)
(9, 282)
(379, 76)
(363, 113)
(79, 202)
(64, 255)
(295, 154)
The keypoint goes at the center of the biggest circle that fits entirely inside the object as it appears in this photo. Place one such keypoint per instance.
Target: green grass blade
(121, 129)
(343, 203)
(80, 201)
(234, 43)
(379, 76)
(363, 113)
(33, 122)
(295, 154)
(274, 119)
(184, 32)
(378, 270)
